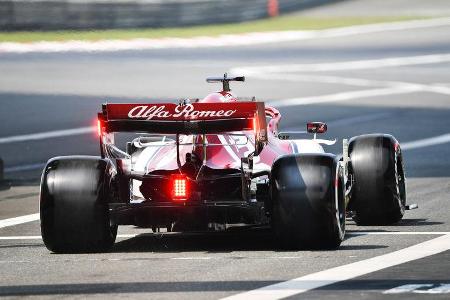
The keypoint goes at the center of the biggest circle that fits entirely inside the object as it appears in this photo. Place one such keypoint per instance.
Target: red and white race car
(214, 163)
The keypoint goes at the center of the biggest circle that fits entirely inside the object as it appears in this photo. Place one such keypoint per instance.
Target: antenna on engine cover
(225, 80)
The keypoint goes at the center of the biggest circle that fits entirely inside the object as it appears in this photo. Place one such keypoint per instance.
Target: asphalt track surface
(47, 92)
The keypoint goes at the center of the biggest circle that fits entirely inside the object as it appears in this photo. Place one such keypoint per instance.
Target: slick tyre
(379, 190)
(74, 205)
(308, 202)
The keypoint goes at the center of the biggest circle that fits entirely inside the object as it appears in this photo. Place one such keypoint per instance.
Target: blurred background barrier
(108, 14)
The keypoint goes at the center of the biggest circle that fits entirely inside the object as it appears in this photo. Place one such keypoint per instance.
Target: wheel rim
(400, 182)
(340, 205)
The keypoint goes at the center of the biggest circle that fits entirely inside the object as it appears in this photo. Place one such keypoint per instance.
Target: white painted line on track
(357, 233)
(362, 82)
(334, 275)
(191, 258)
(18, 220)
(345, 96)
(422, 288)
(27, 237)
(127, 235)
(230, 40)
(38, 237)
(432, 141)
(47, 135)
(23, 168)
(407, 288)
(344, 65)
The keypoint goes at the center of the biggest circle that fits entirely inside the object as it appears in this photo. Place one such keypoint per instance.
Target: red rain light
(179, 185)
(99, 128)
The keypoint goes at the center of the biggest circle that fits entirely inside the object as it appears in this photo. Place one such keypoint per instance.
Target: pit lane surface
(44, 93)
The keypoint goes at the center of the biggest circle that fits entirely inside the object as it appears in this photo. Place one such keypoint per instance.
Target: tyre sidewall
(74, 205)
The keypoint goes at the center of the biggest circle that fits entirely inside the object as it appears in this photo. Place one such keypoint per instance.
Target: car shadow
(402, 222)
(27, 245)
(215, 242)
(104, 289)
(212, 242)
(361, 247)
(417, 222)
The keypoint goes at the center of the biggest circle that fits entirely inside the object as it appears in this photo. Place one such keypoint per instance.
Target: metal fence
(102, 14)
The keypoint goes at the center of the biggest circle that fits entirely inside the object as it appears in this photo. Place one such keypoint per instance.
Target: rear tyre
(308, 203)
(379, 190)
(74, 205)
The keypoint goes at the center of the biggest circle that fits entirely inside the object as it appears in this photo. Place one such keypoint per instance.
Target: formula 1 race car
(214, 163)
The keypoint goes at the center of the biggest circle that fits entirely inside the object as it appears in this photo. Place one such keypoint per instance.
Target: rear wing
(190, 118)
(184, 118)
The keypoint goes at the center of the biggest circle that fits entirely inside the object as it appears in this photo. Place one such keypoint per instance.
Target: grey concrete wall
(102, 14)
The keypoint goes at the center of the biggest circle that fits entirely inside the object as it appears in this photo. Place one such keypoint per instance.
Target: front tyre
(74, 205)
(379, 190)
(308, 203)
